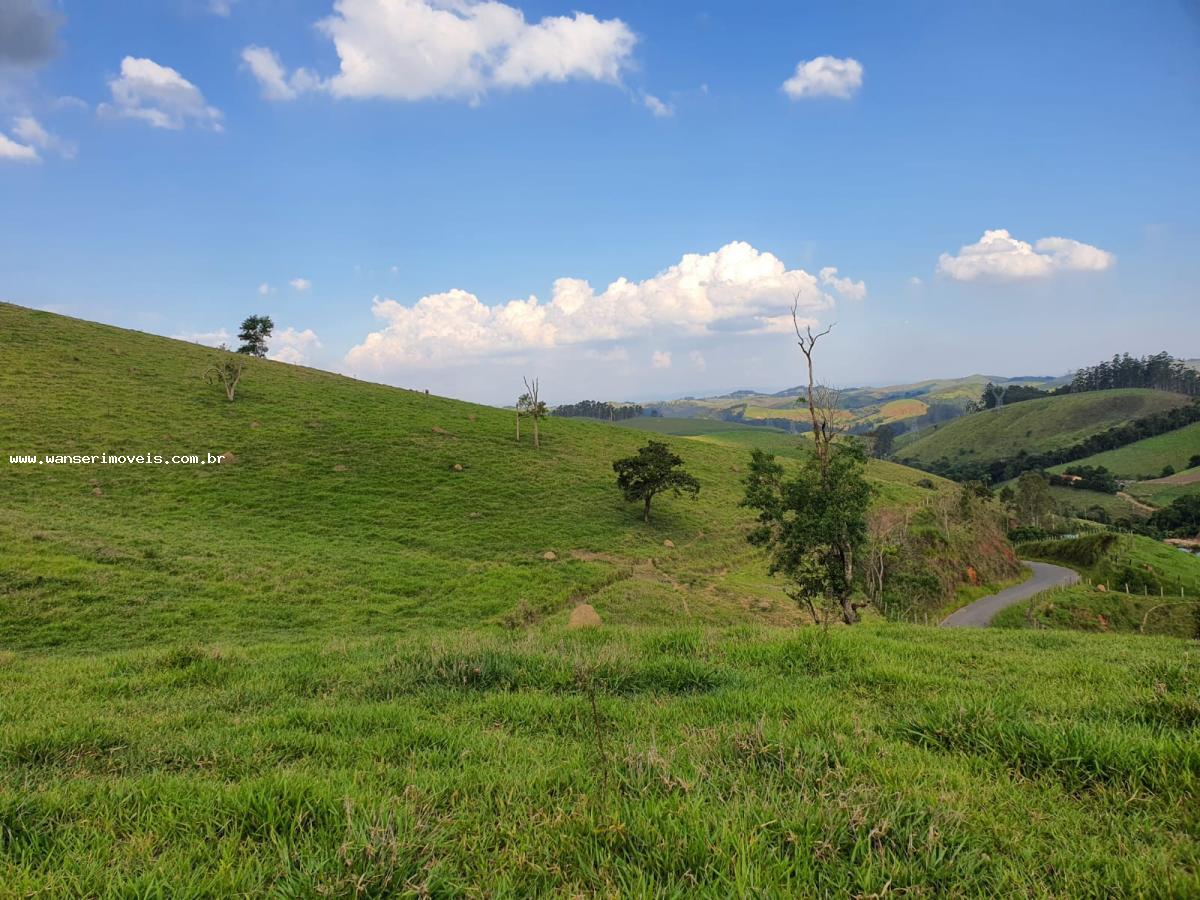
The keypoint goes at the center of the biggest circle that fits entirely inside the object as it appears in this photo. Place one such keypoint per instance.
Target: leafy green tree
(813, 523)
(1194, 462)
(1033, 501)
(884, 440)
(254, 334)
(1181, 518)
(653, 470)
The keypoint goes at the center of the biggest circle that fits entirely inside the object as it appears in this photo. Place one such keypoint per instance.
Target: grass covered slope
(1084, 608)
(1165, 491)
(1119, 560)
(1033, 425)
(1148, 457)
(733, 762)
(341, 508)
(1133, 584)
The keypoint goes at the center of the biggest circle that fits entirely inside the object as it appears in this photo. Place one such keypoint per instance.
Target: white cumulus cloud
(734, 290)
(30, 130)
(292, 346)
(11, 151)
(264, 289)
(698, 362)
(661, 359)
(300, 284)
(159, 95)
(999, 255)
(825, 76)
(273, 79)
(418, 49)
(848, 288)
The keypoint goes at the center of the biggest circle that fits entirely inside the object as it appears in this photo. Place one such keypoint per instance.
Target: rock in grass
(549, 556)
(584, 616)
(669, 544)
(457, 467)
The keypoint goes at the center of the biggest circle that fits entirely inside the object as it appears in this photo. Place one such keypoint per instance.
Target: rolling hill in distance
(1034, 426)
(863, 408)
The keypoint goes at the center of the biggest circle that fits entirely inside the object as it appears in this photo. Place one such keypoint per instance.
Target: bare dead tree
(820, 409)
(227, 371)
(529, 404)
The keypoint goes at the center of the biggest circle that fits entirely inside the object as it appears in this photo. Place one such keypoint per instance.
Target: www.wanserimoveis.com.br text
(115, 459)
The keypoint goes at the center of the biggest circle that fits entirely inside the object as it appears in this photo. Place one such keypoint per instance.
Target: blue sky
(455, 187)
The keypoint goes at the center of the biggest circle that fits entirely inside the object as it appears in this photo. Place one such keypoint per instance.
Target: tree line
(1161, 372)
(1158, 372)
(601, 409)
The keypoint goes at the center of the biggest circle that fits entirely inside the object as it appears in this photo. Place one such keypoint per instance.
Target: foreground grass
(721, 762)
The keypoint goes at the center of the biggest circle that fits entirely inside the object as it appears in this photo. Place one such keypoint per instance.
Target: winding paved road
(980, 613)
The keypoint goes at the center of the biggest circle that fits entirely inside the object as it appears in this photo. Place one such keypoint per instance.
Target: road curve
(980, 613)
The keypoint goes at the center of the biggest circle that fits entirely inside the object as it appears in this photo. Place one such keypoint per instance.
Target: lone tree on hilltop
(227, 370)
(653, 470)
(254, 334)
(813, 521)
(528, 404)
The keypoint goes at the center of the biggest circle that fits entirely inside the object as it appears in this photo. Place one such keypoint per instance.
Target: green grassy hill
(1076, 502)
(341, 507)
(1164, 491)
(336, 665)
(681, 427)
(1124, 561)
(897, 484)
(1084, 608)
(1033, 426)
(1147, 458)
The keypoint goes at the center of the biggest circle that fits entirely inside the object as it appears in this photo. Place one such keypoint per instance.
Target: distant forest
(1160, 372)
(599, 409)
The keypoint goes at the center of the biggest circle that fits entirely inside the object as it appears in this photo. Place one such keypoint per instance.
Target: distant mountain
(906, 406)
